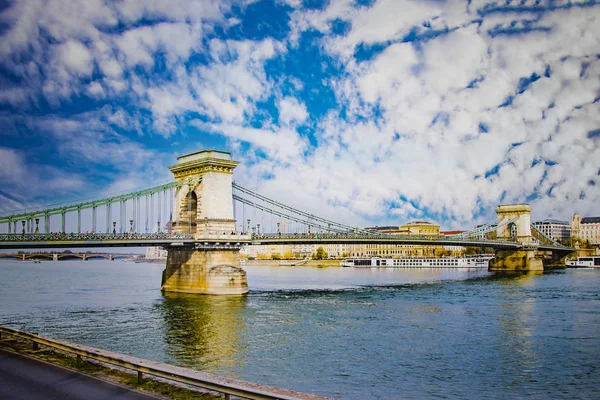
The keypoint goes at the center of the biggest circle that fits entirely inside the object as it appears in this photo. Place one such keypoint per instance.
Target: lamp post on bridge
(248, 230)
(23, 231)
(131, 226)
(37, 226)
(114, 228)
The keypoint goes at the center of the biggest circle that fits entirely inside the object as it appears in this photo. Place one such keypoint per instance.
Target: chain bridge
(203, 219)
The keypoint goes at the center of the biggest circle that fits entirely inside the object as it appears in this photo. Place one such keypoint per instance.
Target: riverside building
(415, 228)
(586, 228)
(554, 229)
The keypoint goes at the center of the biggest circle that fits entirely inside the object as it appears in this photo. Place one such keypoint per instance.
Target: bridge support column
(516, 260)
(55, 257)
(204, 271)
(23, 257)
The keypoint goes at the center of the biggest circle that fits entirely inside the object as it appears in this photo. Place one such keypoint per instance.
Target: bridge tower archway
(188, 215)
(514, 223)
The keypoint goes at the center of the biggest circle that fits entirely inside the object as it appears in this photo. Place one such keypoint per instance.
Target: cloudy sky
(367, 112)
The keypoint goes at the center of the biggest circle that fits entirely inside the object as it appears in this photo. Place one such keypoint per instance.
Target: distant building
(423, 228)
(554, 229)
(586, 228)
(156, 253)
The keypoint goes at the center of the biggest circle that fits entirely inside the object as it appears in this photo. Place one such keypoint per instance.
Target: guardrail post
(140, 377)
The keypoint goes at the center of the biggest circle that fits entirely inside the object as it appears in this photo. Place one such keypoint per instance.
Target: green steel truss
(62, 209)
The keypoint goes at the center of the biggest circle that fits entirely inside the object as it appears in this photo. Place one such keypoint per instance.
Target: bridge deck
(41, 241)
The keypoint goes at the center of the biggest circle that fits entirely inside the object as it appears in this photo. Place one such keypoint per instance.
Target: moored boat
(481, 261)
(579, 262)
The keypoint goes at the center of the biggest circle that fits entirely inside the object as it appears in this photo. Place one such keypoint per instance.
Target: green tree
(275, 256)
(472, 250)
(321, 253)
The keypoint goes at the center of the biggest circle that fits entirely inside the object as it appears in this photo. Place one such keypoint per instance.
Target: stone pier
(204, 271)
(516, 260)
(203, 206)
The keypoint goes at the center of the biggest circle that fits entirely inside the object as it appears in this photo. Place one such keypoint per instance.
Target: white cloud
(19, 175)
(290, 109)
(76, 57)
(417, 129)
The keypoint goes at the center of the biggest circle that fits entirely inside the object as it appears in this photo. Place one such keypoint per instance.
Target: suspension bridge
(203, 218)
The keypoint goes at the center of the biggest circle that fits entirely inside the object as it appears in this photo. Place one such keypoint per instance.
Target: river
(339, 332)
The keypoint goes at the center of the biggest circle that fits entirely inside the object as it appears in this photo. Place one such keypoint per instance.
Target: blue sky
(367, 112)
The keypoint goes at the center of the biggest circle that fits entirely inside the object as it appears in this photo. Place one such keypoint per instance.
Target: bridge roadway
(39, 241)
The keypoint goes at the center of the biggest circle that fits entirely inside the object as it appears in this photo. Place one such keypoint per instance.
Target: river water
(339, 332)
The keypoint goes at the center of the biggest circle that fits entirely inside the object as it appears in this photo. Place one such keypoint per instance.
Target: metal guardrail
(187, 376)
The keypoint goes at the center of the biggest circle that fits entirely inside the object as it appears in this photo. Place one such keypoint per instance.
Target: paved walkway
(25, 378)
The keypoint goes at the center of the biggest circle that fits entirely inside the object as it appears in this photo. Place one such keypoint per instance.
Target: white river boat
(481, 261)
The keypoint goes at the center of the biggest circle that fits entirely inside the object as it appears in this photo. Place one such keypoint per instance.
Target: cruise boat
(481, 261)
(590, 262)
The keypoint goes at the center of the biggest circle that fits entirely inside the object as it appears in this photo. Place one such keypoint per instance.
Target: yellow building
(586, 228)
(420, 228)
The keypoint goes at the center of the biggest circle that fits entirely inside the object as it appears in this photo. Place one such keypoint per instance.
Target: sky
(366, 112)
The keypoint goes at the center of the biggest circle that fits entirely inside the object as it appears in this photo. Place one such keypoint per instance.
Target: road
(25, 378)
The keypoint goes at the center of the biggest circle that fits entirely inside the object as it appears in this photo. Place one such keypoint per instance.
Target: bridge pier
(516, 260)
(202, 207)
(55, 257)
(204, 271)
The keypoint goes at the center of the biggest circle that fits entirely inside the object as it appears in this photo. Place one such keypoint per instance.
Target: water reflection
(517, 325)
(205, 332)
(515, 277)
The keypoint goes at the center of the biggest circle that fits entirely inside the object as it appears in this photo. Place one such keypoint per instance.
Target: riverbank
(301, 263)
(96, 370)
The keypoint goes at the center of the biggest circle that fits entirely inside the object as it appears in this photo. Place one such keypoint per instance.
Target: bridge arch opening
(190, 213)
(512, 231)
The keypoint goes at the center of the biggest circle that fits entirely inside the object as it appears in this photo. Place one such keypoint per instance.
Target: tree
(321, 253)
(288, 255)
(491, 235)
(276, 256)
(472, 250)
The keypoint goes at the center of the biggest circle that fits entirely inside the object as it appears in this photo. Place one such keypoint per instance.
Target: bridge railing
(44, 237)
(172, 373)
(374, 236)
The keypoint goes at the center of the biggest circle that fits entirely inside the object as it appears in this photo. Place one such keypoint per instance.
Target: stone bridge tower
(519, 230)
(203, 206)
